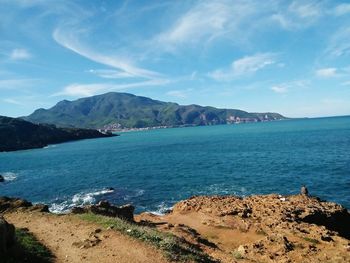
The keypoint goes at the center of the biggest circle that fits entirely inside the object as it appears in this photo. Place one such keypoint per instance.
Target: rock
(8, 204)
(242, 250)
(304, 190)
(106, 209)
(78, 210)
(2, 179)
(7, 236)
(40, 208)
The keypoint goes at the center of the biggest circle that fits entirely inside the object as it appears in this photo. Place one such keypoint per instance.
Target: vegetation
(28, 249)
(132, 111)
(311, 240)
(17, 134)
(174, 248)
(237, 255)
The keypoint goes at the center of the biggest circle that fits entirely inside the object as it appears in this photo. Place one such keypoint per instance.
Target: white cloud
(339, 44)
(110, 73)
(182, 94)
(287, 86)
(17, 84)
(279, 89)
(306, 9)
(326, 72)
(299, 14)
(12, 101)
(244, 66)
(68, 39)
(341, 9)
(86, 90)
(207, 21)
(20, 54)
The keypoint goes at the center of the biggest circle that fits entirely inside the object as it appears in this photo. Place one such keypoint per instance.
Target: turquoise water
(154, 169)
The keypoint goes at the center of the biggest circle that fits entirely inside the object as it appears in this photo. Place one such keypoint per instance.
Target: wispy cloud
(288, 86)
(12, 101)
(20, 54)
(299, 14)
(244, 66)
(110, 73)
(207, 21)
(279, 89)
(342, 9)
(326, 72)
(181, 94)
(76, 89)
(68, 39)
(17, 84)
(339, 44)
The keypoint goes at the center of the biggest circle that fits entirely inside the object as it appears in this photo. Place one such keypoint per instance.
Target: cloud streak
(244, 66)
(326, 72)
(20, 54)
(86, 90)
(68, 39)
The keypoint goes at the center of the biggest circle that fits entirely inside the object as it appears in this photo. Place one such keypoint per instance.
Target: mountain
(17, 134)
(125, 110)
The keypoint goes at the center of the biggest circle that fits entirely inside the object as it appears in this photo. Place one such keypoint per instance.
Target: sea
(154, 169)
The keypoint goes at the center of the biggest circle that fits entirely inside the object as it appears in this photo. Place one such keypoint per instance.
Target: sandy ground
(73, 240)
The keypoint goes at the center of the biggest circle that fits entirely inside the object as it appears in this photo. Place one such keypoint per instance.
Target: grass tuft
(28, 249)
(174, 248)
(311, 240)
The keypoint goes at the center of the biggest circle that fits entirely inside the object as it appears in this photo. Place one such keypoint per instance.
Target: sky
(291, 57)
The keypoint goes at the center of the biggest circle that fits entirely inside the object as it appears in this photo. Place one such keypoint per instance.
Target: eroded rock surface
(265, 228)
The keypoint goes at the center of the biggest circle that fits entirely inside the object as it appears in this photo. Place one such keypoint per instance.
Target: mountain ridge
(125, 110)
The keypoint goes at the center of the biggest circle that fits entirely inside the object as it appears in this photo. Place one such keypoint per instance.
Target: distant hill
(129, 111)
(17, 134)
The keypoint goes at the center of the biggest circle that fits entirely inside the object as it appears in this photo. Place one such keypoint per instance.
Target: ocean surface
(155, 169)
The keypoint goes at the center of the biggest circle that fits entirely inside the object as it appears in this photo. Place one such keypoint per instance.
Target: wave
(79, 199)
(136, 193)
(50, 146)
(9, 176)
(163, 208)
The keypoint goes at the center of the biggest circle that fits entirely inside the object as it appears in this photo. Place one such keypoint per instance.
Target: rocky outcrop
(7, 236)
(262, 228)
(106, 209)
(8, 204)
(17, 134)
(273, 208)
(2, 179)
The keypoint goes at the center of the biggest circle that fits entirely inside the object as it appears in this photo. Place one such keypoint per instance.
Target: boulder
(8, 204)
(106, 209)
(7, 236)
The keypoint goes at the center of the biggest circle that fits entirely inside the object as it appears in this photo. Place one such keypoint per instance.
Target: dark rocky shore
(17, 134)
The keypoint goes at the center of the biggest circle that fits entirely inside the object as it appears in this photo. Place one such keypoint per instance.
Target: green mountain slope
(130, 111)
(17, 134)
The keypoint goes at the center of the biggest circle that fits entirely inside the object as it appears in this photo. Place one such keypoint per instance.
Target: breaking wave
(9, 176)
(79, 199)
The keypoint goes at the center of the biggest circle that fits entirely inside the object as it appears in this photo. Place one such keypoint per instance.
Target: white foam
(50, 146)
(9, 176)
(137, 194)
(80, 199)
(162, 209)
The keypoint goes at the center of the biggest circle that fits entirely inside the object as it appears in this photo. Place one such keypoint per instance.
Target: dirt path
(74, 240)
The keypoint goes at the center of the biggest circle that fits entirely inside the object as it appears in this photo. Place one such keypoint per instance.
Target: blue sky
(291, 57)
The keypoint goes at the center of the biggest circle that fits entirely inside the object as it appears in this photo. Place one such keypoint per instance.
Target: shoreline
(269, 228)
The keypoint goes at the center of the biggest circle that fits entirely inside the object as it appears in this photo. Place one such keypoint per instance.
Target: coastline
(270, 228)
